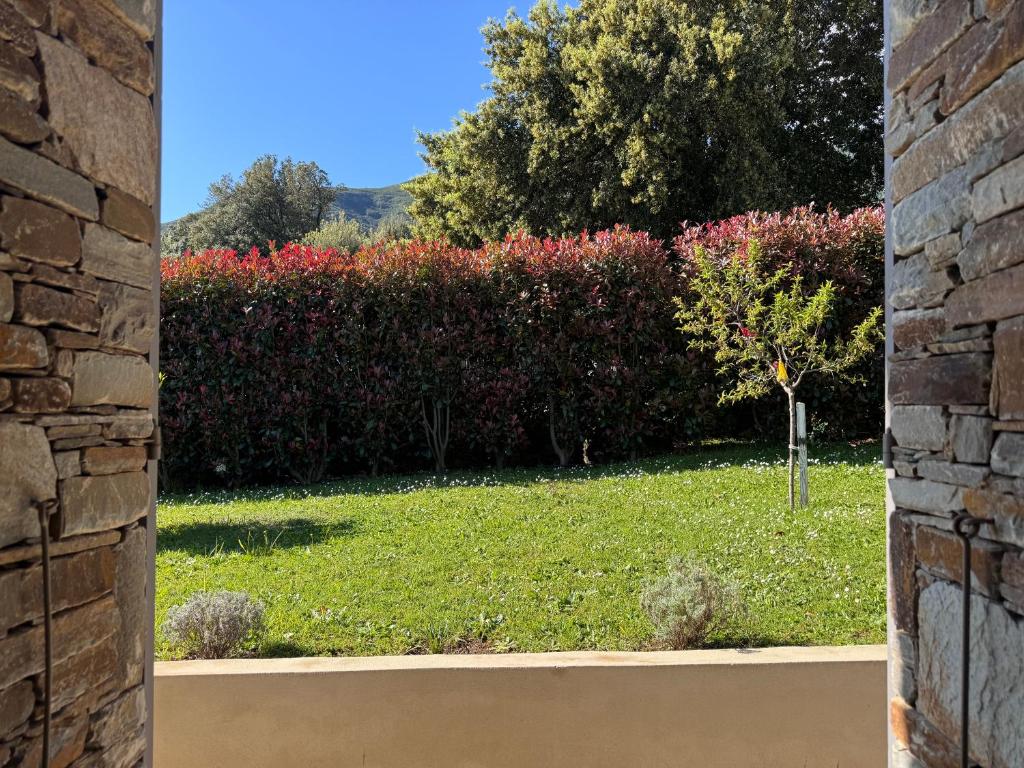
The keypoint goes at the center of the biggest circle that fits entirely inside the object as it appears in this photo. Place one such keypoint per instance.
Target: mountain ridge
(367, 205)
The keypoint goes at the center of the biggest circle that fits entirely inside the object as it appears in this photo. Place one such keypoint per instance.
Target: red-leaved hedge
(302, 363)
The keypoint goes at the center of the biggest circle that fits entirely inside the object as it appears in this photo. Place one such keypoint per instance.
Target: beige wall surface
(768, 708)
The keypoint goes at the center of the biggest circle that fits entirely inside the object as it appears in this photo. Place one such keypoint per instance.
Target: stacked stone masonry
(956, 373)
(78, 161)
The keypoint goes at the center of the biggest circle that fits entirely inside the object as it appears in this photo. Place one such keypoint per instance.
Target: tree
(274, 201)
(340, 233)
(649, 112)
(764, 328)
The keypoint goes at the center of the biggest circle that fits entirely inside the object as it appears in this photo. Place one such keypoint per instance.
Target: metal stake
(966, 527)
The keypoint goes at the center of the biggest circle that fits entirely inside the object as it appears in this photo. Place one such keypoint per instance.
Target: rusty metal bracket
(155, 444)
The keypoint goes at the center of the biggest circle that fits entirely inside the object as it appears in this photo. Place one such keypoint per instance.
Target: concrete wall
(78, 187)
(770, 708)
(956, 373)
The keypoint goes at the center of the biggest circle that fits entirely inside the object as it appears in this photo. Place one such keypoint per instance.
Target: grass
(537, 559)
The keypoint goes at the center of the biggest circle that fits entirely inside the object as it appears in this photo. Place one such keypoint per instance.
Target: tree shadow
(252, 538)
(282, 649)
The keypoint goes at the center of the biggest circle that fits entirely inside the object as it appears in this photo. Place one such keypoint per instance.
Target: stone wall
(956, 373)
(78, 163)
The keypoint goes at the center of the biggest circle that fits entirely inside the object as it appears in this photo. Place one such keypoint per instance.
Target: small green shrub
(688, 602)
(214, 625)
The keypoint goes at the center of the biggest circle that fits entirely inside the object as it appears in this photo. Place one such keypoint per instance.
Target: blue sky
(343, 82)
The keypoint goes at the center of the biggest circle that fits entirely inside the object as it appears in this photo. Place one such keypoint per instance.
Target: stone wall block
(926, 496)
(119, 719)
(903, 585)
(1008, 454)
(921, 740)
(942, 554)
(128, 320)
(937, 209)
(6, 297)
(1007, 510)
(970, 438)
(38, 232)
(19, 120)
(967, 475)
(90, 504)
(995, 297)
(942, 380)
(89, 674)
(919, 426)
(942, 251)
(111, 256)
(131, 588)
(40, 395)
(44, 180)
(125, 214)
(27, 476)
(992, 247)
(999, 192)
(16, 705)
(916, 284)
(19, 75)
(109, 460)
(108, 41)
(997, 646)
(109, 128)
(101, 378)
(22, 348)
(1008, 369)
(15, 30)
(140, 15)
(38, 305)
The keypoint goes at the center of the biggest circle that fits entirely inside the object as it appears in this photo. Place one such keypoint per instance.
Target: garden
(536, 444)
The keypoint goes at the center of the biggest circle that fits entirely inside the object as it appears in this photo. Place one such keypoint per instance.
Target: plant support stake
(966, 527)
(801, 445)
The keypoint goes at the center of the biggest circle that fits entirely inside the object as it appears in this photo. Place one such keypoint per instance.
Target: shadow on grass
(713, 455)
(251, 538)
(282, 649)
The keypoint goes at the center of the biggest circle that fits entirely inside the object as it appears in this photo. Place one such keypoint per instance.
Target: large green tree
(649, 112)
(274, 201)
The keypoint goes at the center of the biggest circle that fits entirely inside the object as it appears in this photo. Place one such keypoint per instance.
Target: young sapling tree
(769, 328)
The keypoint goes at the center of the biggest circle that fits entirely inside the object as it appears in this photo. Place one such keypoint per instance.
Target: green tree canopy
(277, 201)
(649, 112)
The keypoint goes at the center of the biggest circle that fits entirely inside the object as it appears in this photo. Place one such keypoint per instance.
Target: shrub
(214, 625)
(307, 362)
(688, 603)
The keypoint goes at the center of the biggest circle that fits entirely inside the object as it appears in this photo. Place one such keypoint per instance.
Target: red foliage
(304, 362)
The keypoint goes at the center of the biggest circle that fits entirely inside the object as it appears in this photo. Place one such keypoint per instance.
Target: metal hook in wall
(966, 527)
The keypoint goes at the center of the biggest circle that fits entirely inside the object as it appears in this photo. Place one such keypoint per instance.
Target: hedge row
(305, 363)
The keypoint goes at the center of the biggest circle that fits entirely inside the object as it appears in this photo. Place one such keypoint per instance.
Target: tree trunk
(792, 444)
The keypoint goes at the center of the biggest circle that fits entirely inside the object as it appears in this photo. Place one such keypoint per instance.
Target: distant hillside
(367, 205)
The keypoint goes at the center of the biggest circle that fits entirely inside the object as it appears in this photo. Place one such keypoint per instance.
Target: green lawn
(538, 559)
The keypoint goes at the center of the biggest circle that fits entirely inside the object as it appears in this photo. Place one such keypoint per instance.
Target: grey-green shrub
(688, 602)
(214, 625)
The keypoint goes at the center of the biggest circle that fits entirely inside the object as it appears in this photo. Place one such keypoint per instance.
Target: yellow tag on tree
(781, 372)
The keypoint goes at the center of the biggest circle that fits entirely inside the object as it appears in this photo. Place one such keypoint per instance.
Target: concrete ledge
(764, 708)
